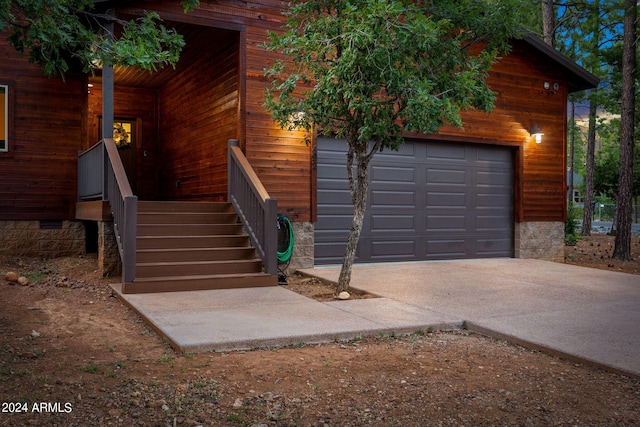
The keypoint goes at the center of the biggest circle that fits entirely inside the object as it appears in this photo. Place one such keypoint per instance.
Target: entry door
(125, 135)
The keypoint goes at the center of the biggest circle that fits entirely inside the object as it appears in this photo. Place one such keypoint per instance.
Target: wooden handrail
(250, 174)
(256, 209)
(111, 184)
(118, 167)
(124, 206)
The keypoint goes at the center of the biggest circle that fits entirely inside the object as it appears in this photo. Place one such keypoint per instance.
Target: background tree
(64, 34)
(575, 147)
(366, 70)
(587, 29)
(531, 16)
(548, 23)
(606, 167)
(622, 248)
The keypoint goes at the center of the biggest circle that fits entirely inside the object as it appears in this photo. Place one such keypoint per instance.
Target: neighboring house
(577, 190)
(487, 190)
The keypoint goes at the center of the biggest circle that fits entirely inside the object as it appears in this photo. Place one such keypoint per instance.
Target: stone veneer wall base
(303, 248)
(109, 263)
(540, 240)
(29, 238)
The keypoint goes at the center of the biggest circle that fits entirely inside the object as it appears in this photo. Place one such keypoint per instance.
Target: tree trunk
(614, 223)
(352, 242)
(358, 187)
(622, 248)
(588, 180)
(572, 152)
(548, 23)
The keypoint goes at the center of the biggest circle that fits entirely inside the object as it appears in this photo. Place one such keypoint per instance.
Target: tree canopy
(62, 35)
(368, 70)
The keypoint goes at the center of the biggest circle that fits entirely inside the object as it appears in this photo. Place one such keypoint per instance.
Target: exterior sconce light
(536, 134)
(295, 120)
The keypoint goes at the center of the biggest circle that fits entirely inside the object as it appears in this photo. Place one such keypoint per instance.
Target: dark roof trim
(578, 78)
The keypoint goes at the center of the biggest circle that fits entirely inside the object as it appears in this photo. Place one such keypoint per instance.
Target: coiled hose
(286, 240)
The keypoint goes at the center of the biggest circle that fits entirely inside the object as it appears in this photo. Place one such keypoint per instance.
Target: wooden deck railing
(257, 211)
(91, 181)
(102, 175)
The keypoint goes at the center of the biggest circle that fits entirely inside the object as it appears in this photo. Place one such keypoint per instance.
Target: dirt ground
(72, 354)
(595, 251)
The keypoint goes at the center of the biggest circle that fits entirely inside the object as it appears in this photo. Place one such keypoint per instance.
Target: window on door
(4, 118)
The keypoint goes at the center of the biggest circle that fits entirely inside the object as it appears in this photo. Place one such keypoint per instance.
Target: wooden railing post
(230, 162)
(102, 175)
(271, 236)
(256, 209)
(129, 239)
(104, 171)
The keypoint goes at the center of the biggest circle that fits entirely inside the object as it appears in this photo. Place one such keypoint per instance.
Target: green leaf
(61, 34)
(380, 66)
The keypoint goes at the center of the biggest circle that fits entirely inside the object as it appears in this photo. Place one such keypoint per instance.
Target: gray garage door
(429, 201)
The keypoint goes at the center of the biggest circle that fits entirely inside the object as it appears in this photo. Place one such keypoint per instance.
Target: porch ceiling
(199, 40)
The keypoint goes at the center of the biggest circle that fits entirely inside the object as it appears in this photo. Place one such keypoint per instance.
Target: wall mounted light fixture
(536, 133)
(295, 119)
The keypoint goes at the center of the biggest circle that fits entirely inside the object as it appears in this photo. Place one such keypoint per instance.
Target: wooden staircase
(187, 246)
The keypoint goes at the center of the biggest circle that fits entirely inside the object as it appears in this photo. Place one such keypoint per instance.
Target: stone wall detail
(540, 240)
(28, 238)
(109, 263)
(303, 249)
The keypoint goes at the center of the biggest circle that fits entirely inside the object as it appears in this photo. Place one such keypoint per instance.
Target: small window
(4, 118)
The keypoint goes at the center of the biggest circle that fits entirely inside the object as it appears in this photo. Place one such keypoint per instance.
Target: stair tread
(202, 276)
(176, 263)
(171, 236)
(177, 206)
(193, 246)
(208, 249)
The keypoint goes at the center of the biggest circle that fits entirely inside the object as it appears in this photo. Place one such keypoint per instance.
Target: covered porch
(172, 126)
(183, 218)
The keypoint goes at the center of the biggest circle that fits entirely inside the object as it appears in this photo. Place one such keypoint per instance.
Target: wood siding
(38, 174)
(198, 115)
(217, 95)
(281, 158)
(284, 162)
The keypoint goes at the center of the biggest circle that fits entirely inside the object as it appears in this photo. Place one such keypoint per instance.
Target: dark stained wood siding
(198, 115)
(188, 120)
(38, 175)
(543, 188)
(284, 162)
(281, 158)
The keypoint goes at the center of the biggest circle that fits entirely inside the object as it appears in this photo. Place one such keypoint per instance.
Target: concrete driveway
(592, 315)
(587, 314)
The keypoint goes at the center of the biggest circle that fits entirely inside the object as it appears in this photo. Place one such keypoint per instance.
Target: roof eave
(579, 78)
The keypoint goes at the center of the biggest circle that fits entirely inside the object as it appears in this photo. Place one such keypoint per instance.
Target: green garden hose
(285, 239)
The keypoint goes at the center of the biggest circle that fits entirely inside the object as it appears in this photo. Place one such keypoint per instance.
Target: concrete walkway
(587, 314)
